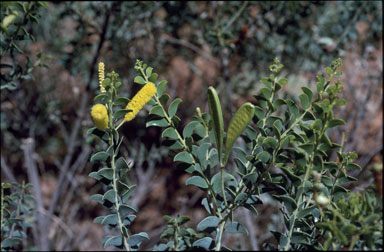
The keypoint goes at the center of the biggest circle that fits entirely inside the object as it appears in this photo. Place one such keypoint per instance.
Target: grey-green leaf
(173, 107)
(235, 227)
(101, 156)
(206, 243)
(139, 80)
(208, 222)
(184, 157)
(137, 239)
(110, 196)
(197, 181)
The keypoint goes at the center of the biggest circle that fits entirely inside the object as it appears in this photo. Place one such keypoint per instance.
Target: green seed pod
(238, 123)
(217, 119)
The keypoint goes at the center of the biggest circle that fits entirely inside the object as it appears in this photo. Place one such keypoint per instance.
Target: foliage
(16, 215)
(354, 222)
(279, 134)
(114, 172)
(17, 16)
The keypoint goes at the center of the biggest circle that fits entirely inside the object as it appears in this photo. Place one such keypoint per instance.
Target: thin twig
(28, 149)
(76, 128)
(7, 171)
(191, 46)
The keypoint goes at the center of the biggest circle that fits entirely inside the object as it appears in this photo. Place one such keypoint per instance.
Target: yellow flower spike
(101, 76)
(139, 100)
(100, 116)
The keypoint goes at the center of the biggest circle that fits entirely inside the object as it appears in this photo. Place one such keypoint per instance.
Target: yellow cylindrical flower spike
(101, 76)
(139, 100)
(99, 115)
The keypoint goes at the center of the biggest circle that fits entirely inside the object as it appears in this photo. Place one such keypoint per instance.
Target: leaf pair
(238, 123)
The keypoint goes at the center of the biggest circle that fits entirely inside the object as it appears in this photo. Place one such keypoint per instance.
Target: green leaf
(121, 163)
(161, 87)
(250, 179)
(188, 130)
(305, 212)
(205, 203)
(266, 92)
(148, 72)
(217, 119)
(120, 113)
(98, 198)
(125, 209)
(113, 241)
(101, 156)
(283, 81)
(240, 197)
(122, 101)
(288, 202)
(328, 70)
(207, 243)
(173, 107)
(352, 166)
(266, 81)
(240, 165)
(110, 196)
(157, 110)
(10, 242)
(183, 219)
(157, 123)
(197, 181)
(299, 237)
(235, 227)
(164, 99)
(263, 156)
(153, 77)
(136, 239)
(139, 80)
(110, 220)
(335, 122)
(304, 100)
(106, 82)
(101, 98)
(229, 182)
(270, 143)
(340, 102)
(259, 112)
(170, 133)
(106, 173)
(210, 222)
(184, 157)
(236, 126)
(309, 93)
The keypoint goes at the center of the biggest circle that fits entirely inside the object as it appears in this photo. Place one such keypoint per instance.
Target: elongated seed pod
(139, 100)
(217, 119)
(238, 123)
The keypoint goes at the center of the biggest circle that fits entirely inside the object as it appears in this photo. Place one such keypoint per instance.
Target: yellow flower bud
(101, 76)
(139, 100)
(100, 116)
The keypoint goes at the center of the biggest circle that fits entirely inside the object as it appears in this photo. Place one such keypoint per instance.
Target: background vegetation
(49, 55)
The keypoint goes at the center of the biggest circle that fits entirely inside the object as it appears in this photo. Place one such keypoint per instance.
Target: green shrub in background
(16, 215)
(283, 151)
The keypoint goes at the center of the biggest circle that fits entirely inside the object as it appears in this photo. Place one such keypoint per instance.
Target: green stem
(114, 184)
(236, 16)
(117, 205)
(220, 236)
(2, 205)
(222, 185)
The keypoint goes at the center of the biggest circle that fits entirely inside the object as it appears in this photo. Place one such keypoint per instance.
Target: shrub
(273, 145)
